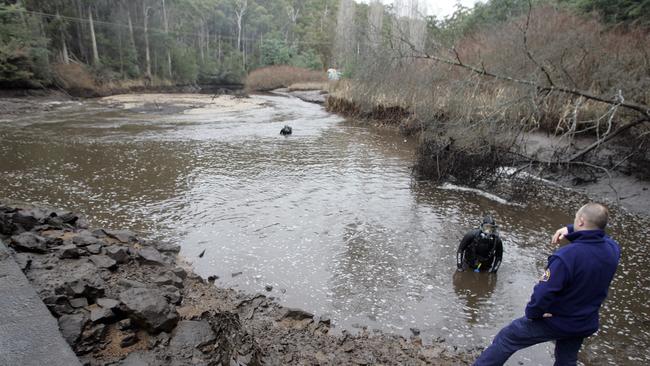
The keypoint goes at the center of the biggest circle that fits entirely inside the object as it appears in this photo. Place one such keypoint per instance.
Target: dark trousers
(522, 333)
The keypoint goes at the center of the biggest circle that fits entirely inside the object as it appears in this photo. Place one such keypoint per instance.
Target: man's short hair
(595, 214)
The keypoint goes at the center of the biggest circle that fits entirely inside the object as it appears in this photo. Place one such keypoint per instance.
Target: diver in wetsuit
(481, 249)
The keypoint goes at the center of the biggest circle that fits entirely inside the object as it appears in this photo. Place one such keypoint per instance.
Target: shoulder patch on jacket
(546, 276)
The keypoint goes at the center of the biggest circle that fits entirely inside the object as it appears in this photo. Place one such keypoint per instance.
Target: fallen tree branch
(616, 132)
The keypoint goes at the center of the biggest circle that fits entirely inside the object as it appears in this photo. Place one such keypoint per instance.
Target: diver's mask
(488, 229)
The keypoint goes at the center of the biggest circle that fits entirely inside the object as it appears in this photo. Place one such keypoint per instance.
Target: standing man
(565, 303)
(481, 249)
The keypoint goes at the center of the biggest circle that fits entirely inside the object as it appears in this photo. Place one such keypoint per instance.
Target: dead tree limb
(616, 132)
(529, 54)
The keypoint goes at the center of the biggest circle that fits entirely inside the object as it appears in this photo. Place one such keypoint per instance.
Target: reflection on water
(475, 290)
(330, 217)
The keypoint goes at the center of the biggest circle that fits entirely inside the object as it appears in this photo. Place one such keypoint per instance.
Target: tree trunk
(92, 37)
(243, 57)
(207, 40)
(132, 36)
(200, 40)
(64, 47)
(219, 49)
(79, 29)
(147, 56)
(119, 35)
(169, 54)
(240, 11)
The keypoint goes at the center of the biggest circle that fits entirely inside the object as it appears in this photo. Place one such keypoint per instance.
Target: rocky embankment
(120, 300)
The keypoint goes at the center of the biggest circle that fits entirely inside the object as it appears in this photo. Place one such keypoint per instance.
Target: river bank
(122, 300)
(623, 189)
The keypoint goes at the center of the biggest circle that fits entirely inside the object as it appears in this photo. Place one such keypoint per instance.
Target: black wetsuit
(480, 250)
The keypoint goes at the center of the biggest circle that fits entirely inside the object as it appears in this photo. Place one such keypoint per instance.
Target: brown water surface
(330, 217)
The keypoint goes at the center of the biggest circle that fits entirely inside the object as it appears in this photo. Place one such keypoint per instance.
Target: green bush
(184, 66)
(23, 54)
(308, 60)
(276, 52)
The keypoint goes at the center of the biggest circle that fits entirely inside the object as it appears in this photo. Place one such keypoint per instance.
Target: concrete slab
(29, 334)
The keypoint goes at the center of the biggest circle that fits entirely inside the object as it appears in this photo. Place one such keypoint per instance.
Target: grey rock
(71, 326)
(24, 260)
(150, 256)
(124, 236)
(173, 294)
(103, 261)
(119, 253)
(129, 340)
(84, 239)
(160, 341)
(69, 251)
(91, 288)
(54, 222)
(415, 331)
(150, 309)
(58, 305)
(107, 303)
(29, 242)
(325, 320)
(79, 302)
(180, 272)
(140, 358)
(28, 219)
(192, 334)
(168, 247)
(169, 279)
(94, 248)
(7, 227)
(124, 324)
(99, 314)
(296, 314)
(99, 233)
(130, 283)
(69, 218)
(92, 337)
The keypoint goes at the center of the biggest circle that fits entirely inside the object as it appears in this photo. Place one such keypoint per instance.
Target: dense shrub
(23, 54)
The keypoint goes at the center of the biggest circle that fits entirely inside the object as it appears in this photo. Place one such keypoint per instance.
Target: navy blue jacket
(575, 283)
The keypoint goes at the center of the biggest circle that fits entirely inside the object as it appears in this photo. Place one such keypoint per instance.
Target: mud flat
(120, 300)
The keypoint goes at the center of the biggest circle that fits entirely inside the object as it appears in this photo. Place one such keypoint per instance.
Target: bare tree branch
(529, 54)
(616, 132)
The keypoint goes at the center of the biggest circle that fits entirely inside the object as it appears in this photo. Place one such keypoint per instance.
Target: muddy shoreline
(120, 300)
(623, 190)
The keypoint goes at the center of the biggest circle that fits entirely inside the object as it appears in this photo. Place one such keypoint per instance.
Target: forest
(45, 42)
(178, 41)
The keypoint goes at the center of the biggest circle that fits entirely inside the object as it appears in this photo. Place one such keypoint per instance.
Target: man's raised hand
(559, 235)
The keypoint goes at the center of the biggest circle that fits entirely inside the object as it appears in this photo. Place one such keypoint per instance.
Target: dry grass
(577, 52)
(281, 76)
(74, 77)
(453, 102)
(308, 86)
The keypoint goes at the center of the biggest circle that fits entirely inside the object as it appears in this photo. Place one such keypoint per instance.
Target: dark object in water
(286, 130)
(201, 255)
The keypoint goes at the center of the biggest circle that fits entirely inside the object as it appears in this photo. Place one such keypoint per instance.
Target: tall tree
(92, 36)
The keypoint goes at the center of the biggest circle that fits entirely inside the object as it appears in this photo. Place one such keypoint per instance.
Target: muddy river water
(329, 217)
